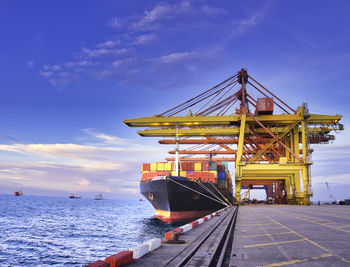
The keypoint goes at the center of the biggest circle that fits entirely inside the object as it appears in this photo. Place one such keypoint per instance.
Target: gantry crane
(265, 147)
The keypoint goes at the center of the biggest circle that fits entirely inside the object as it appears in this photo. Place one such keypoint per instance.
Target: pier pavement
(265, 235)
(280, 235)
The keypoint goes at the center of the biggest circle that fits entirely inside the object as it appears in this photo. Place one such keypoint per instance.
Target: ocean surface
(57, 231)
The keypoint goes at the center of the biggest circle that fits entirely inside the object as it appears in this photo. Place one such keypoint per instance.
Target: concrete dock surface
(265, 235)
(281, 235)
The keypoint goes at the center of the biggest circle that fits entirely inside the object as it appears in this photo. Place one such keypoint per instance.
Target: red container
(146, 167)
(205, 166)
(190, 166)
(264, 106)
(149, 175)
(221, 168)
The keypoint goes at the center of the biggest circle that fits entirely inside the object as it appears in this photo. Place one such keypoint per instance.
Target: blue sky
(71, 71)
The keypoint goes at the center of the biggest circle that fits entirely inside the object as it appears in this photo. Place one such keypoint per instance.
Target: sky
(72, 71)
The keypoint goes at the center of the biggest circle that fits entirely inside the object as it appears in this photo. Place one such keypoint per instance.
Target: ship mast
(177, 152)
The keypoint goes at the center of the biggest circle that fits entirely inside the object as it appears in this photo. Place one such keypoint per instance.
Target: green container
(213, 166)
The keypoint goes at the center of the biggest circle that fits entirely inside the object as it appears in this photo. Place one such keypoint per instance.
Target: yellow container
(153, 167)
(173, 173)
(167, 166)
(183, 173)
(197, 166)
(215, 173)
(160, 166)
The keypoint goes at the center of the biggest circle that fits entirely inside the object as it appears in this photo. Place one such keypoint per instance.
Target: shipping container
(213, 166)
(167, 166)
(153, 167)
(205, 166)
(183, 173)
(221, 182)
(264, 106)
(225, 163)
(145, 167)
(221, 175)
(198, 166)
(149, 175)
(215, 173)
(160, 166)
(221, 168)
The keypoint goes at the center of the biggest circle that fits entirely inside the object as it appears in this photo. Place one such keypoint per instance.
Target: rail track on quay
(213, 248)
(209, 244)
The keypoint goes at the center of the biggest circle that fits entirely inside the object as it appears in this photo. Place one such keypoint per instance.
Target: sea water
(57, 231)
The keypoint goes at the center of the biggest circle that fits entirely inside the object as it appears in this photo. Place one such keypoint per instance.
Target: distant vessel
(18, 193)
(72, 195)
(141, 199)
(99, 197)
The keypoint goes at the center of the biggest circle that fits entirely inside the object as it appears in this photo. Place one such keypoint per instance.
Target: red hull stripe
(184, 228)
(176, 216)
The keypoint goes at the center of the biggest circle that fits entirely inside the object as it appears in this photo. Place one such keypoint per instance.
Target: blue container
(221, 175)
(221, 182)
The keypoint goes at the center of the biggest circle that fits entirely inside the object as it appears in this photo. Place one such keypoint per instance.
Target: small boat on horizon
(18, 193)
(99, 197)
(72, 195)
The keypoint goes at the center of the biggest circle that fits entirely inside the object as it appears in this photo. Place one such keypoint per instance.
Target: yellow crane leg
(288, 144)
(296, 142)
(240, 148)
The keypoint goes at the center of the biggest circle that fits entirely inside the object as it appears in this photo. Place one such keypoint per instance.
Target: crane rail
(212, 249)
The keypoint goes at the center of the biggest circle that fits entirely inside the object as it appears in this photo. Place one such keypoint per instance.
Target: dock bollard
(172, 237)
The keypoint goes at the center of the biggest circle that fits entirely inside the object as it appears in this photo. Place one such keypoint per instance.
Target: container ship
(18, 193)
(192, 190)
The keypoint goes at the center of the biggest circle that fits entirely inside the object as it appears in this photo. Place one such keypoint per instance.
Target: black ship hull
(179, 199)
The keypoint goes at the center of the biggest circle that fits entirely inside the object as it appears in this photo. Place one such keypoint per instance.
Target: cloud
(102, 51)
(250, 21)
(82, 63)
(46, 74)
(30, 64)
(159, 12)
(132, 54)
(53, 67)
(213, 10)
(109, 43)
(144, 38)
(176, 57)
(104, 163)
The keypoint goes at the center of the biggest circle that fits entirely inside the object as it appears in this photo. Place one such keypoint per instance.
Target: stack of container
(202, 171)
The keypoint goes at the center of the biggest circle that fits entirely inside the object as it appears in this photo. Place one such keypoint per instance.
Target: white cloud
(106, 164)
(82, 63)
(175, 57)
(51, 67)
(46, 74)
(115, 23)
(145, 38)
(109, 44)
(249, 22)
(213, 10)
(102, 51)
